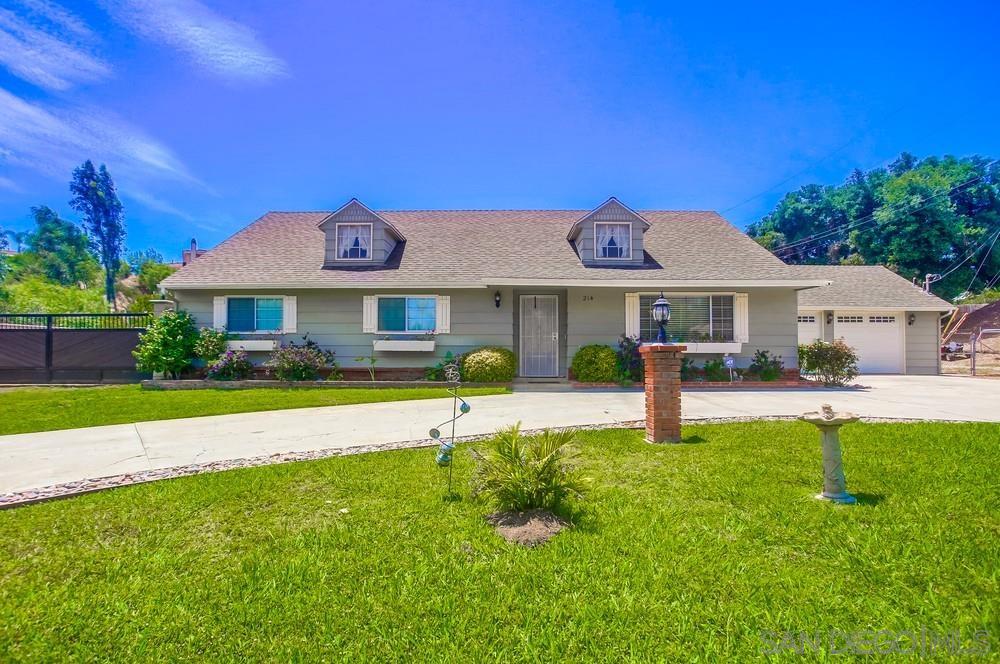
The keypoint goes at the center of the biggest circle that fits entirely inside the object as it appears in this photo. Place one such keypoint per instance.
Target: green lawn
(681, 552)
(51, 408)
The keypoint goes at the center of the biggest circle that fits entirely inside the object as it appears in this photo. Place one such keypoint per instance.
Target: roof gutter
(665, 283)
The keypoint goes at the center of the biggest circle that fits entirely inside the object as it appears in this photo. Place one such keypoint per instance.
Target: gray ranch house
(409, 286)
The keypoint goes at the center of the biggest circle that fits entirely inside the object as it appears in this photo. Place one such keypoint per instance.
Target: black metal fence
(46, 348)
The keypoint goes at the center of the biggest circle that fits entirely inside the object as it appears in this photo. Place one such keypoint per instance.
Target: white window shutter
(290, 315)
(632, 315)
(369, 314)
(219, 312)
(741, 317)
(443, 324)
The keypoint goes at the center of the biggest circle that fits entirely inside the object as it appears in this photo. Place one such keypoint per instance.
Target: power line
(983, 262)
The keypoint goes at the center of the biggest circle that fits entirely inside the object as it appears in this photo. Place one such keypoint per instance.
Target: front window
(254, 314)
(407, 314)
(613, 240)
(354, 241)
(693, 318)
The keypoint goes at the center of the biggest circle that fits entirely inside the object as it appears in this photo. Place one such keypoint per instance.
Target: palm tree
(18, 238)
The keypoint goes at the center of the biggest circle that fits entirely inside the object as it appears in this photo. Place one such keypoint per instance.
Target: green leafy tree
(3, 255)
(19, 238)
(57, 250)
(37, 295)
(168, 345)
(915, 217)
(95, 197)
(151, 274)
(135, 259)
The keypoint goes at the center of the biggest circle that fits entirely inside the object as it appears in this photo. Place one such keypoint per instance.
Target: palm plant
(518, 473)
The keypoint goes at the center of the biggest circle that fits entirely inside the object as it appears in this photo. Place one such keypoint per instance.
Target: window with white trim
(407, 314)
(704, 318)
(807, 319)
(612, 240)
(354, 242)
(254, 314)
(850, 319)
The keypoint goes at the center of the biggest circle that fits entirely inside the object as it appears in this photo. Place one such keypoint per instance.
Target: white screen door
(539, 335)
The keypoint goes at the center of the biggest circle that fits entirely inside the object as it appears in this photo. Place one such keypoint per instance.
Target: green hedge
(595, 364)
(489, 364)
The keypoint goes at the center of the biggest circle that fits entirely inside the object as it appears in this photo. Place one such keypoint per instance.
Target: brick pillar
(663, 391)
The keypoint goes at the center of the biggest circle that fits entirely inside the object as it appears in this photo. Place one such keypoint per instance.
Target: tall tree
(17, 237)
(95, 197)
(57, 250)
(3, 256)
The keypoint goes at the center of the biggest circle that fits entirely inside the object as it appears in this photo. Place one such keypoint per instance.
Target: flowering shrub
(232, 365)
(211, 345)
(167, 345)
(766, 366)
(629, 359)
(833, 364)
(294, 362)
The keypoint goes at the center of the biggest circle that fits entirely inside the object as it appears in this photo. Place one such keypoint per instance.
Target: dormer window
(614, 240)
(354, 241)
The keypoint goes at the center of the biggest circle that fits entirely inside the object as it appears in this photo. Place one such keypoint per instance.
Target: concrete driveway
(29, 461)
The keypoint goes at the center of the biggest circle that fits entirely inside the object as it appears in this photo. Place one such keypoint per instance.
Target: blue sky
(211, 112)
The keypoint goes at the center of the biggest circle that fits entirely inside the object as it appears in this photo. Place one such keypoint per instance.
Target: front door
(539, 327)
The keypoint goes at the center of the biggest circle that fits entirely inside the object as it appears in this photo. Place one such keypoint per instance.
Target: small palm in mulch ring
(529, 480)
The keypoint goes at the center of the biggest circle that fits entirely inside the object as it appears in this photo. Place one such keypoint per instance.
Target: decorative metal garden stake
(829, 423)
(444, 454)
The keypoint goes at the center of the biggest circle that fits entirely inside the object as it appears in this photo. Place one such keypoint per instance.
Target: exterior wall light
(660, 312)
(829, 318)
(496, 299)
(911, 319)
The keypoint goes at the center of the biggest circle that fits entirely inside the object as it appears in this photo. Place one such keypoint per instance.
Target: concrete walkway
(34, 460)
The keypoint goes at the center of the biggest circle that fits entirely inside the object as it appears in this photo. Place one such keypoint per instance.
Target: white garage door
(877, 336)
(809, 326)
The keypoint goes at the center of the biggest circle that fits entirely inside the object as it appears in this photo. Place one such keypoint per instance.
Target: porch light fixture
(829, 318)
(660, 312)
(911, 319)
(496, 299)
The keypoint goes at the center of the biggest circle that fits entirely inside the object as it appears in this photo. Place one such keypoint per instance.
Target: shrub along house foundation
(410, 286)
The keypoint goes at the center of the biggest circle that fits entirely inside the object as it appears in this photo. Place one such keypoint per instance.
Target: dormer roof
(350, 210)
(610, 210)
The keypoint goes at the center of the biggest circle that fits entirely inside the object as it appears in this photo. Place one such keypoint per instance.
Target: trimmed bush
(489, 364)
(716, 371)
(595, 363)
(833, 364)
(232, 365)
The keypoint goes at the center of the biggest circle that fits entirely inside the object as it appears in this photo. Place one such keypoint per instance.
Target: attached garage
(893, 325)
(876, 336)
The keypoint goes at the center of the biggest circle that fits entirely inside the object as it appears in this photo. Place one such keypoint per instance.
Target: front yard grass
(51, 408)
(681, 552)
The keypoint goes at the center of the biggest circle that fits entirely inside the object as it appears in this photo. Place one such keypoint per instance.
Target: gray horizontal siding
(923, 347)
(333, 319)
(597, 316)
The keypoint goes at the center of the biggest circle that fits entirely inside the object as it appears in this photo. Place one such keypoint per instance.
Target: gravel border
(81, 487)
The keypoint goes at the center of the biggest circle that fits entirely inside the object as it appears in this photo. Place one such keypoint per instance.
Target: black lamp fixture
(911, 319)
(829, 318)
(496, 299)
(661, 314)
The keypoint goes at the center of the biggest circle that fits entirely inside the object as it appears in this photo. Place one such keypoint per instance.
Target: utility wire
(983, 262)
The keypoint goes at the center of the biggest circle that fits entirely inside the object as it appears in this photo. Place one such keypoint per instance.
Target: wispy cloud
(7, 183)
(219, 45)
(52, 141)
(43, 46)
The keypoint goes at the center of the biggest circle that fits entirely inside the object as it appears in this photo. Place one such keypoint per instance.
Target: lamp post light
(661, 314)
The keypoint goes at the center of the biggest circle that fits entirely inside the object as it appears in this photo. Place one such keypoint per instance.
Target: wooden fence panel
(22, 349)
(94, 349)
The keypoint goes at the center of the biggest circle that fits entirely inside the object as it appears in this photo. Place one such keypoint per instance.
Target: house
(409, 286)
(894, 325)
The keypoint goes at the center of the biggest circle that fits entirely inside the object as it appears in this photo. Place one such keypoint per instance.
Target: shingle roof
(453, 247)
(864, 286)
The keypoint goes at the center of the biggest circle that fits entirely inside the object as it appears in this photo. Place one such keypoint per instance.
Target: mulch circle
(529, 528)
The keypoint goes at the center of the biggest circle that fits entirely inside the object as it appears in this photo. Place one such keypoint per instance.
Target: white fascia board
(894, 307)
(340, 286)
(658, 284)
